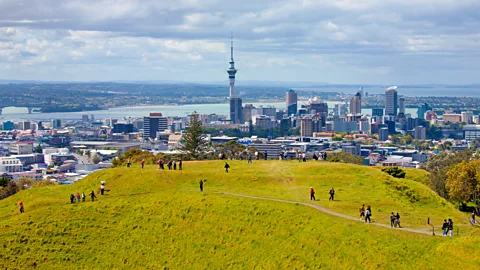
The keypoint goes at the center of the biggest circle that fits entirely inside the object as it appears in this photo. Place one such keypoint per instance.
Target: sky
(332, 41)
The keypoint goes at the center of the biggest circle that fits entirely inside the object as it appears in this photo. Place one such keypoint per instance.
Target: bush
(345, 158)
(394, 171)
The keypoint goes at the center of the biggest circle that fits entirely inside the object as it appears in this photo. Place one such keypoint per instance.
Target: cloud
(321, 39)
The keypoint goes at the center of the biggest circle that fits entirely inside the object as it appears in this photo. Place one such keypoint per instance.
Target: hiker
(256, 155)
(159, 162)
(128, 163)
(332, 194)
(312, 194)
(162, 164)
(93, 196)
(315, 156)
(83, 196)
(226, 167)
(368, 214)
(325, 156)
(473, 217)
(201, 185)
(241, 157)
(304, 157)
(397, 220)
(450, 227)
(392, 220)
(265, 155)
(299, 156)
(169, 165)
(102, 188)
(445, 227)
(72, 198)
(20, 205)
(285, 155)
(174, 165)
(249, 158)
(180, 165)
(143, 163)
(362, 211)
(280, 157)
(78, 197)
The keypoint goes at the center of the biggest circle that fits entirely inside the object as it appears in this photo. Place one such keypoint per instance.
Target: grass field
(158, 219)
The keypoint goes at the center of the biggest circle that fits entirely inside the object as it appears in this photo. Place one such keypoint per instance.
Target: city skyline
(347, 42)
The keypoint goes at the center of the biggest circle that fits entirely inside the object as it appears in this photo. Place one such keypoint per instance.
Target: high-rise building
(467, 117)
(247, 112)
(56, 123)
(306, 127)
(24, 125)
(383, 134)
(291, 102)
(153, 124)
(391, 100)
(356, 104)
(377, 112)
(231, 70)
(420, 133)
(401, 104)
(124, 128)
(319, 107)
(422, 110)
(236, 110)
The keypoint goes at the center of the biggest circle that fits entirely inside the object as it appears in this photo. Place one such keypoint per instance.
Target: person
(312, 194)
(397, 220)
(240, 156)
(72, 198)
(180, 165)
(175, 165)
(169, 165)
(332, 194)
(362, 211)
(256, 155)
(201, 185)
(368, 214)
(315, 156)
(83, 196)
(265, 155)
(280, 157)
(392, 220)
(93, 196)
(285, 155)
(159, 163)
(78, 197)
(304, 157)
(102, 188)
(325, 156)
(20, 205)
(249, 158)
(299, 156)
(162, 164)
(450, 227)
(143, 163)
(128, 163)
(445, 227)
(473, 217)
(226, 167)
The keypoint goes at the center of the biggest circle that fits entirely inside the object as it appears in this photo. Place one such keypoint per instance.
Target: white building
(10, 165)
(21, 148)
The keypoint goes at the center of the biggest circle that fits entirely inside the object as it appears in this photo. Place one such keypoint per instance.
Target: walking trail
(327, 211)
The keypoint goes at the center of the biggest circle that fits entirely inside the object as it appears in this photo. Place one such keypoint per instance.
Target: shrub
(394, 171)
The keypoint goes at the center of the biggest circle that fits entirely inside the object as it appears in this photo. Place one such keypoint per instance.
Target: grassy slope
(154, 219)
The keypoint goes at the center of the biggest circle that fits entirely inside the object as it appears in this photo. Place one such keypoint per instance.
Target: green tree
(394, 171)
(38, 149)
(463, 182)
(4, 181)
(195, 139)
(96, 159)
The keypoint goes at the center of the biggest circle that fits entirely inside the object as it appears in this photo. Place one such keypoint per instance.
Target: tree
(394, 171)
(38, 149)
(96, 159)
(4, 180)
(463, 181)
(194, 139)
(408, 139)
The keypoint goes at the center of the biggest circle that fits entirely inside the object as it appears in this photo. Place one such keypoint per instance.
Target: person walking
(392, 220)
(20, 206)
(332, 194)
(362, 211)
(249, 158)
(159, 162)
(285, 155)
(201, 185)
(256, 155)
(128, 163)
(174, 165)
(143, 163)
(226, 167)
(450, 227)
(445, 227)
(92, 195)
(473, 217)
(180, 163)
(102, 188)
(265, 155)
(304, 157)
(397, 220)
(368, 214)
(83, 196)
(72, 198)
(169, 165)
(299, 156)
(78, 197)
(312, 194)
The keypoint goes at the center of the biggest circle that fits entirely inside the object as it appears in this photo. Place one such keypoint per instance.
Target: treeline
(8, 187)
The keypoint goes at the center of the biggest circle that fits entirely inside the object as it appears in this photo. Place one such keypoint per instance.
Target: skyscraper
(231, 70)
(391, 100)
(235, 101)
(356, 104)
(291, 102)
(153, 124)
(422, 110)
(401, 104)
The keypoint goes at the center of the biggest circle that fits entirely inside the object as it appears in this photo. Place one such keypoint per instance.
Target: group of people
(366, 213)
(447, 227)
(172, 164)
(395, 220)
(77, 198)
(331, 193)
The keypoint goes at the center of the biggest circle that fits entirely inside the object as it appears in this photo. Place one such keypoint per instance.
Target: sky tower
(231, 70)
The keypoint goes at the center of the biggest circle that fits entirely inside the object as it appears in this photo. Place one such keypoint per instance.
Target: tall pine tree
(195, 139)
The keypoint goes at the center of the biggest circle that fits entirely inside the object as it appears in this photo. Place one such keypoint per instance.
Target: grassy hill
(158, 219)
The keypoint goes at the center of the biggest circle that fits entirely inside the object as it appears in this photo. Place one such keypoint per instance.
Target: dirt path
(328, 211)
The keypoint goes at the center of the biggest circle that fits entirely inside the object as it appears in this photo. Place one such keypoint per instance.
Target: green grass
(154, 219)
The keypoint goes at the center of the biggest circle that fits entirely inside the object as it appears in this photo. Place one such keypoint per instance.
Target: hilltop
(159, 219)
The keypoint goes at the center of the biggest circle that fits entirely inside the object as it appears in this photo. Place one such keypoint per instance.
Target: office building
(391, 100)
(8, 125)
(291, 98)
(24, 125)
(153, 124)
(467, 117)
(264, 122)
(356, 104)
(452, 118)
(377, 112)
(10, 165)
(401, 104)
(306, 127)
(124, 128)
(422, 110)
(56, 123)
(319, 107)
(383, 134)
(247, 112)
(21, 148)
(236, 114)
(420, 133)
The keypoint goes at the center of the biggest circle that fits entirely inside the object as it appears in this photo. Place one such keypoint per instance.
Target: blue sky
(335, 41)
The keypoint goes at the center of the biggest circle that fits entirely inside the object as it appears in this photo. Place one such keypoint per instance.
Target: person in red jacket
(312, 194)
(143, 163)
(20, 205)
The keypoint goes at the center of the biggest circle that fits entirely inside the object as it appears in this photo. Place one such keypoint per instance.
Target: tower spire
(231, 47)
(231, 70)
